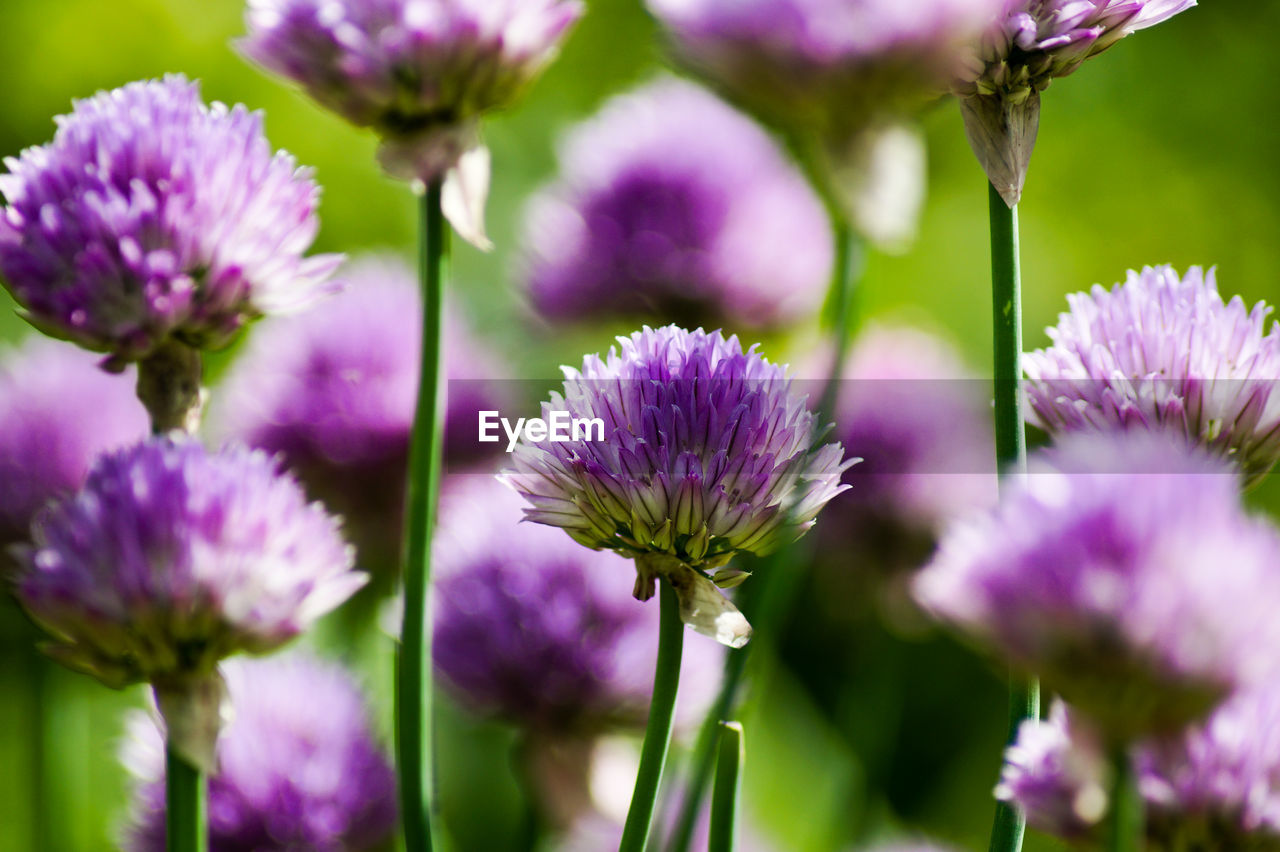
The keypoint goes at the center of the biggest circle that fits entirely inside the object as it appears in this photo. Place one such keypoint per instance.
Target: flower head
(1216, 785)
(298, 765)
(825, 66)
(534, 629)
(1126, 574)
(706, 452)
(171, 558)
(671, 204)
(419, 72)
(152, 216)
(919, 423)
(58, 411)
(1031, 43)
(1160, 352)
(333, 391)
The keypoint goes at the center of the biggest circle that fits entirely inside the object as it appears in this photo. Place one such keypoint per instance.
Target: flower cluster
(298, 766)
(58, 411)
(419, 72)
(151, 216)
(1031, 43)
(672, 205)
(1163, 352)
(707, 453)
(917, 419)
(826, 66)
(1214, 786)
(535, 629)
(1125, 573)
(171, 558)
(333, 391)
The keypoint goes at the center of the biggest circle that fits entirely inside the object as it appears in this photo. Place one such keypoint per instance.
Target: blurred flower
(827, 66)
(298, 766)
(1125, 572)
(706, 453)
(58, 411)
(672, 205)
(1160, 352)
(171, 558)
(1057, 773)
(1032, 42)
(534, 629)
(151, 217)
(921, 424)
(1214, 786)
(419, 72)
(333, 392)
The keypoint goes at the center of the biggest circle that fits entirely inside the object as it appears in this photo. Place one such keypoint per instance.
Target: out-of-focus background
(1162, 150)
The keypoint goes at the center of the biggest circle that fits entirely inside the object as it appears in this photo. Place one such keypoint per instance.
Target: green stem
(1125, 826)
(728, 790)
(775, 603)
(657, 732)
(414, 752)
(1011, 451)
(185, 826)
(842, 303)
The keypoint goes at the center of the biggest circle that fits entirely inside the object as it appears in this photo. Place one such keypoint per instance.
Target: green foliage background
(1163, 150)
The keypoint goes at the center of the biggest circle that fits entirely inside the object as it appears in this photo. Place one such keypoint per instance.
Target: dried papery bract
(1029, 44)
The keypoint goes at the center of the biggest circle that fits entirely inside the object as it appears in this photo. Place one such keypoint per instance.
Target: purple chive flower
(58, 411)
(533, 629)
(419, 72)
(333, 392)
(1031, 43)
(171, 558)
(825, 66)
(703, 452)
(298, 766)
(920, 422)
(671, 204)
(1160, 352)
(1214, 786)
(1125, 572)
(151, 216)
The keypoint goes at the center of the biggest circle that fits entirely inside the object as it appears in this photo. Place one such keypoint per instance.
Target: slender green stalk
(723, 836)
(414, 752)
(776, 602)
(1011, 451)
(1125, 828)
(185, 826)
(843, 315)
(657, 732)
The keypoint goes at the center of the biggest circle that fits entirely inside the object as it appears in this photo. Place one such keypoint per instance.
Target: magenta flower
(536, 630)
(1031, 43)
(672, 205)
(1216, 785)
(1126, 574)
(333, 390)
(150, 217)
(171, 558)
(1164, 353)
(58, 411)
(704, 452)
(298, 766)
